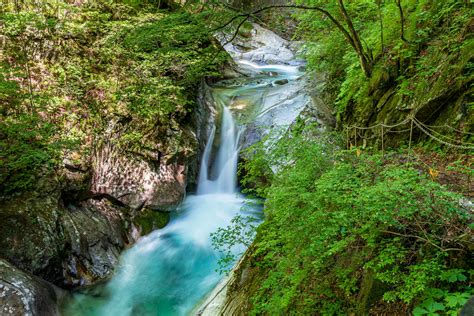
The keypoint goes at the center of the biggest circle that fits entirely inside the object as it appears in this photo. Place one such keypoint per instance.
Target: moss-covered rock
(149, 220)
(31, 234)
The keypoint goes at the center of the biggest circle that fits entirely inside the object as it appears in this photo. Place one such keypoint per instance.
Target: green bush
(70, 70)
(333, 217)
(407, 74)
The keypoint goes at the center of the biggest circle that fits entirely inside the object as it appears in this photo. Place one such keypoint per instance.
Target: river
(171, 270)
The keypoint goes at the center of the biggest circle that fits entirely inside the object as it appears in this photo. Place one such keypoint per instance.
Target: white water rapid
(225, 166)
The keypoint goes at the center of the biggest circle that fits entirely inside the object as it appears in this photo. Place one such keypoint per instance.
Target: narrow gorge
(207, 157)
(170, 270)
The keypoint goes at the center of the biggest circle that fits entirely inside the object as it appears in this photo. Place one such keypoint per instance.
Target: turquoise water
(169, 271)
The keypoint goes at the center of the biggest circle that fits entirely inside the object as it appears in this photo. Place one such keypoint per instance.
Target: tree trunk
(365, 59)
(402, 21)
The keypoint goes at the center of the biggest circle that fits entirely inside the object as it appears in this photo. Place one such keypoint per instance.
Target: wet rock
(96, 232)
(24, 294)
(202, 122)
(260, 46)
(280, 82)
(275, 110)
(149, 220)
(468, 308)
(270, 73)
(66, 245)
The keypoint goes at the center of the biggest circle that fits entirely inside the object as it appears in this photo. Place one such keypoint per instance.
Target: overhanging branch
(351, 35)
(246, 16)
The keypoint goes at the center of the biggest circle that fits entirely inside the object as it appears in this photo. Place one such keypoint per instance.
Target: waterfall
(225, 166)
(170, 270)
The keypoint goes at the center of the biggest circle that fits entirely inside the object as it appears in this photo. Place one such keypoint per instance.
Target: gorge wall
(71, 229)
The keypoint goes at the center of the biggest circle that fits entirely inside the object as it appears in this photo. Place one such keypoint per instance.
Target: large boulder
(67, 245)
(258, 45)
(96, 231)
(137, 182)
(31, 234)
(24, 294)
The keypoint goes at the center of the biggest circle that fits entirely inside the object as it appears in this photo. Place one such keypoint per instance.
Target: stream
(171, 270)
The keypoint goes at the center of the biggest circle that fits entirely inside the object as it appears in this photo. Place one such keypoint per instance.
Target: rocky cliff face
(71, 229)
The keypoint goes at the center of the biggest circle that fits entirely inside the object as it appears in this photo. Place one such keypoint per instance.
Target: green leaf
(456, 299)
(432, 306)
(419, 311)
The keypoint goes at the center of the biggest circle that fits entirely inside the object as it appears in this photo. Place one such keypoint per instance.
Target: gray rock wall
(72, 228)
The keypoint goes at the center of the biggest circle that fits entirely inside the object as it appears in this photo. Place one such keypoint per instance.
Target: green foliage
(444, 301)
(229, 240)
(71, 72)
(149, 220)
(27, 145)
(413, 71)
(334, 216)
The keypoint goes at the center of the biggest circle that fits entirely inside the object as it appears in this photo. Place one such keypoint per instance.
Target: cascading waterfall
(225, 165)
(169, 271)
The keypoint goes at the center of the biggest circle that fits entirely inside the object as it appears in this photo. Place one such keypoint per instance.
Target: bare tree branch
(423, 239)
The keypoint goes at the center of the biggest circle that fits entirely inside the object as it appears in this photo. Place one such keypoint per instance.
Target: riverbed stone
(280, 82)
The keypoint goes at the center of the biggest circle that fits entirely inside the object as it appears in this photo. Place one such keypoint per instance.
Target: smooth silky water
(169, 271)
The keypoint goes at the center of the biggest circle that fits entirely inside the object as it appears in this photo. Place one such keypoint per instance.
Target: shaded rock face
(68, 246)
(136, 182)
(32, 237)
(95, 231)
(202, 122)
(23, 294)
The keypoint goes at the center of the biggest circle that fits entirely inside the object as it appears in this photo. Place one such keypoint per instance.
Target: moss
(149, 220)
(30, 237)
(246, 30)
(371, 292)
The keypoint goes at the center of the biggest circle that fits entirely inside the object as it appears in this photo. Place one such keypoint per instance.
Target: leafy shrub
(334, 217)
(70, 71)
